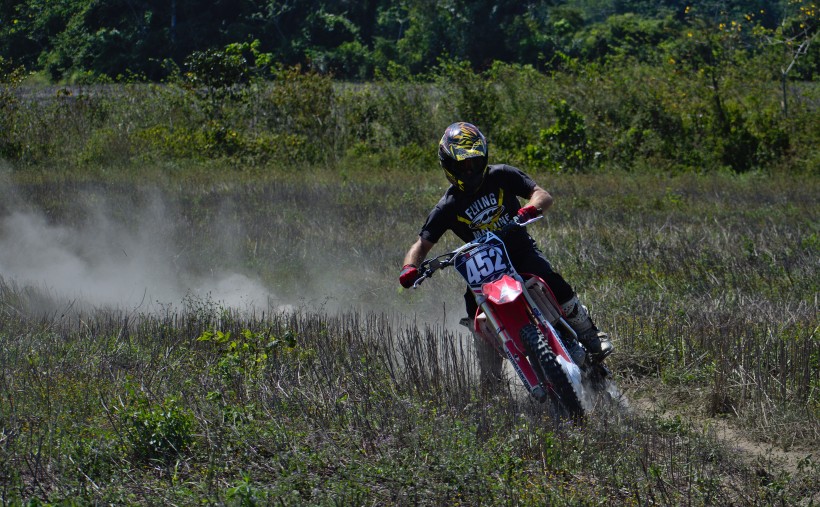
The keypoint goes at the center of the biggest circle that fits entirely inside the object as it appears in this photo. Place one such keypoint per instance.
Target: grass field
(208, 335)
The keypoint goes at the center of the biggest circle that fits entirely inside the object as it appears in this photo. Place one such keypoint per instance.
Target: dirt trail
(754, 453)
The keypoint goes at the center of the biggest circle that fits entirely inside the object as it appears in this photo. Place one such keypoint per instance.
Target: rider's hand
(528, 213)
(409, 274)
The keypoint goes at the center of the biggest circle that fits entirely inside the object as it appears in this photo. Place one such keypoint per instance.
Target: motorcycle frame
(506, 319)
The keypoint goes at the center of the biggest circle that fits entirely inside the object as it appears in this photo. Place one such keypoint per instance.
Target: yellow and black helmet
(462, 153)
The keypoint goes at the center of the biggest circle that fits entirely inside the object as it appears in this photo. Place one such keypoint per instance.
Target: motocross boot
(576, 352)
(596, 342)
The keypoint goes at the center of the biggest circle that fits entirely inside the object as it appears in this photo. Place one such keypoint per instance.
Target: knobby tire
(551, 373)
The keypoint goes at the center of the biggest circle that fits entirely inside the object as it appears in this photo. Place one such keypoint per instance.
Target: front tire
(551, 373)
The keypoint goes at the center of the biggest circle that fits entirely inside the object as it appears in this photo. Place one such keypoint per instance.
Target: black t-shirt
(490, 208)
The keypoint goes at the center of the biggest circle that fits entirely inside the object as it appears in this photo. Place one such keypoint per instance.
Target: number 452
(485, 263)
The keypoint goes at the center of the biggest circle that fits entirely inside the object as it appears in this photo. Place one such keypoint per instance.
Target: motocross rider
(484, 197)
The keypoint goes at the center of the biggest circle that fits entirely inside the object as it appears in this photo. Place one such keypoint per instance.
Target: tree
(793, 37)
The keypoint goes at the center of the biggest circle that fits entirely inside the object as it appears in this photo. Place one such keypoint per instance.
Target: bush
(474, 96)
(157, 431)
(564, 146)
(10, 79)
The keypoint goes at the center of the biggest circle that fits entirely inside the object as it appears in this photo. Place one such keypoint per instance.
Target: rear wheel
(551, 374)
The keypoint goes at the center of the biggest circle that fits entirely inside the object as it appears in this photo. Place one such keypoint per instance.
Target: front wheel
(551, 373)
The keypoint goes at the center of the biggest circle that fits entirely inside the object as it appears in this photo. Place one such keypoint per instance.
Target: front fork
(505, 337)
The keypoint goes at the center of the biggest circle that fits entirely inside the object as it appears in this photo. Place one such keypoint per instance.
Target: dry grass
(361, 393)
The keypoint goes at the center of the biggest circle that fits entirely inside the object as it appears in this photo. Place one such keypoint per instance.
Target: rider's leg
(470, 304)
(595, 341)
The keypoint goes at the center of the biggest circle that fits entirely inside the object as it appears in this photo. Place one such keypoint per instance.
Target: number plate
(484, 263)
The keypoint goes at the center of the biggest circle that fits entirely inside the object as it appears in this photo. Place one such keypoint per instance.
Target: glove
(528, 213)
(409, 274)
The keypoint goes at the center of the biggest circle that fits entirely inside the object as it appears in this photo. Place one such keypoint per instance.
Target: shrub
(299, 104)
(474, 95)
(564, 146)
(10, 79)
(157, 431)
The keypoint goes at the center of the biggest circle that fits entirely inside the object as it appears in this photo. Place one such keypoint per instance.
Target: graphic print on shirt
(485, 214)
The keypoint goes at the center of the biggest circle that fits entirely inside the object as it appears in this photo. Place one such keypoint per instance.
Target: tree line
(365, 39)
(558, 86)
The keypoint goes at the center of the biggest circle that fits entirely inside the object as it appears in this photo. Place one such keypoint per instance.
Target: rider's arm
(540, 198)
(418, 252)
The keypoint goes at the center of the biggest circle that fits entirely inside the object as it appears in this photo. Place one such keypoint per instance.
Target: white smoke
(132, 263)
(138, 254)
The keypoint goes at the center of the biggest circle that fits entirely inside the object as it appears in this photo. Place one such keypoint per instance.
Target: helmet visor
(469, 173)
(470, 167)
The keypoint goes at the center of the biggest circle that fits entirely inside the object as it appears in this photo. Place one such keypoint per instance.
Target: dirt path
(754, 453)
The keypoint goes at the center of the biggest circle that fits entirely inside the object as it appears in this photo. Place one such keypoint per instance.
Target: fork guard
(505, 313)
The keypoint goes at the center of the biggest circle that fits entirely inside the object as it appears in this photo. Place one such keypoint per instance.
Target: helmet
(462, 153)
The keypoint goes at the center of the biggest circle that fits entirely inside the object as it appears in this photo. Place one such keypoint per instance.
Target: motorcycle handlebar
(430, 266)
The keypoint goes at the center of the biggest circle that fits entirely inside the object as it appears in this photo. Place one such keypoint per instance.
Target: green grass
(362, 393)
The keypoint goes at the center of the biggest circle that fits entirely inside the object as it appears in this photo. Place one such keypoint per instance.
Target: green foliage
(94, 455)
(353, 41)
(564, 146)
(300, 103)
(157, 431)
(658, 85)
(106, 146)
(246, 356)
(628, 35)
(471, 95)
(179, 143)
(222, 71)
(10, 79)
(217, 70)
(244, 493)
(677, 123)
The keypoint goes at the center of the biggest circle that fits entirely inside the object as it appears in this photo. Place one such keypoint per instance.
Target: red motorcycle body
(507, 310)
(518, 316)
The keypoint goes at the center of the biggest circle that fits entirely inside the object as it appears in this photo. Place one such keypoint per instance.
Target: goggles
(470, 167)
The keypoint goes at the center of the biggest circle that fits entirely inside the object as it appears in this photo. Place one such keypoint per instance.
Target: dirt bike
(520, 317)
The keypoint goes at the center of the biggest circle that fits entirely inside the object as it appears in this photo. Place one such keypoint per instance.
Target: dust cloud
(134, 262)
(133, 251)
(114, 251)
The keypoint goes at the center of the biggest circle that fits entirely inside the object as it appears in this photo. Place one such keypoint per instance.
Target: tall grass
(319, 409)
(361, 393)
(717, 281)
(626, 115)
